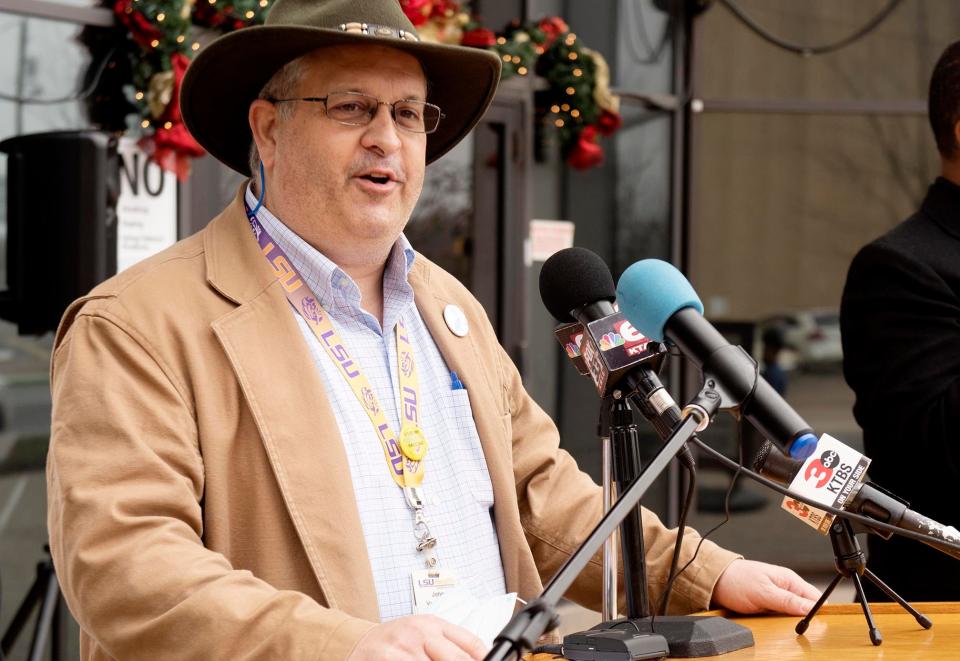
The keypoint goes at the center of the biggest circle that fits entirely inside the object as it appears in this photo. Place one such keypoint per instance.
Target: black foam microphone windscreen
(573, 278)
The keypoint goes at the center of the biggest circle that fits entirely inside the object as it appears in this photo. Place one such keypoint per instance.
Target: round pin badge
(413, 443)
(456, 320)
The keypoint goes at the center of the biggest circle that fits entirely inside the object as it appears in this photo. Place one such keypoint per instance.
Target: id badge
(429, 585)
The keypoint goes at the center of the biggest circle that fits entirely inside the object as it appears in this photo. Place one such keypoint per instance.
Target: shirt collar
(331, 285)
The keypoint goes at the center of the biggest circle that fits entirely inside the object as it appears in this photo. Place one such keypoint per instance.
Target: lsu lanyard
(404, 456)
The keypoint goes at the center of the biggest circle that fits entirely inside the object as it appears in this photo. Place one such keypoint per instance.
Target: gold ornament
(442, 31)
(159, 93)
(186, 9)
(601, 89)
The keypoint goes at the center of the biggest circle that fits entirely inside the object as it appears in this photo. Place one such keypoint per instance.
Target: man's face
(327, 178)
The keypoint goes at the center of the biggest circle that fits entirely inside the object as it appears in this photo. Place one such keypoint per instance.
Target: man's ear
(263, 124)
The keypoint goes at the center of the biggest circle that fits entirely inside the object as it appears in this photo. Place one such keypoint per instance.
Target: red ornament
(586, 153)
(552, 27)
(609, 122)
(207, 16)
(142, 30)
(418, 11)
(479, 37)
(176, 138)
(179, 62)
(444, 8)
(173, 148)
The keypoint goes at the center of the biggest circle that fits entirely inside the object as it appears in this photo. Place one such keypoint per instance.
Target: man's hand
(418, 638)
(756, 587)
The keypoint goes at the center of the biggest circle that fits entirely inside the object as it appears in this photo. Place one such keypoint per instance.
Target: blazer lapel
(293, 415)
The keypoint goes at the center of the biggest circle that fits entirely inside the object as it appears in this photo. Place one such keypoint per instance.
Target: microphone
(659, 301)
(867, 499)
(576, 287)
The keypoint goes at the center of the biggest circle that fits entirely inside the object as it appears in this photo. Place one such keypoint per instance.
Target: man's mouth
(381, 177)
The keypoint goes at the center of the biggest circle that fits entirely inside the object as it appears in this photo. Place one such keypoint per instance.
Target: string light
(138, 96)
(506, 58)
(516, 59)
(249, 14)
(522, 71)
(155, 43)
(195, 46)
(571, 91)
(573, 56)
(578, 72)
(574, 113)
(168, 125)
(161, 17)
(264, 3)
(558, 123)
(554, 108)
(565, 107)
(181, 39)
(145, 123)
(501, 40)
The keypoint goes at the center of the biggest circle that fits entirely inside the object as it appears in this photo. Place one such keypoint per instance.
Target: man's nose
(382, 133)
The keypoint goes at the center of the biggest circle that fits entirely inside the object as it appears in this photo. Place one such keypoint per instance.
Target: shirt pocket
(464, 442)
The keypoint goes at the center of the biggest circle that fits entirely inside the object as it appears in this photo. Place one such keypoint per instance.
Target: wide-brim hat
(227, 76)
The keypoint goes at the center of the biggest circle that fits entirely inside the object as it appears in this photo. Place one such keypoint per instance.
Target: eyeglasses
(356, 109)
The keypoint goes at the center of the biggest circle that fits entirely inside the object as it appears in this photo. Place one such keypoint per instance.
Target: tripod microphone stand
(851, 563)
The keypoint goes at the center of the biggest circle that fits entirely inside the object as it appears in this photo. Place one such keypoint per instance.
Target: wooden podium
(839, 631)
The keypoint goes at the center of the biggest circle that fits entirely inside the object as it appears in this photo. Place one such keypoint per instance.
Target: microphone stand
(609, 606)
(625, 448)
(683, 635)
(540, 614)
(851, 563)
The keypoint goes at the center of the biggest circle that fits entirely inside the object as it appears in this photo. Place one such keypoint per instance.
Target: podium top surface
(840, 631)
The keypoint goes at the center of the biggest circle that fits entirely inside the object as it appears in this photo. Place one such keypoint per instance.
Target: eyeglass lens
(354, 108)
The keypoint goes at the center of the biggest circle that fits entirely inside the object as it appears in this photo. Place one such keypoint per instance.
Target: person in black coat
(900, 325)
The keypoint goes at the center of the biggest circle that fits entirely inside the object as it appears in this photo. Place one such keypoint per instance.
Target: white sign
(146, 208)
(828, 476)
(548, 237)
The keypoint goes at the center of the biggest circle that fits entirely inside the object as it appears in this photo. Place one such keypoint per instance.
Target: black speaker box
(62, 190)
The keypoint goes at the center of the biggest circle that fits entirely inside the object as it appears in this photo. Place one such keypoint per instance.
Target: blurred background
(762, 143)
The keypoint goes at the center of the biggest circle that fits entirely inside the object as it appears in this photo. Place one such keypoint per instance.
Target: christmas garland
(160, 40)
(577, 102)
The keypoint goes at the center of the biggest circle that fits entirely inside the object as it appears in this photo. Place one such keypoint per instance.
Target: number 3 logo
(800, 508)
(817, 471)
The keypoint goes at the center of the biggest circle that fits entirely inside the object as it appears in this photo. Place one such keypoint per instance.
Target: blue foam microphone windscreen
(650, 292)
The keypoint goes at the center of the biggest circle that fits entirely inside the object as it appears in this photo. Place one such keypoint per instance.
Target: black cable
(726, 505)
(681, 529)
(653, 53)
(766, 35)
(77, 96)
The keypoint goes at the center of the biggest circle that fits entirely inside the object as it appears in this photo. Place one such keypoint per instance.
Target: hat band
(374, 30)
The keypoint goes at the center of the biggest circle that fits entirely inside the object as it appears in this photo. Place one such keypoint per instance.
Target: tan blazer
(200, 501)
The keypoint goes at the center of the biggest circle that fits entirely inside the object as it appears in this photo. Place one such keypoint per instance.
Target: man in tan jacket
(212, 413)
